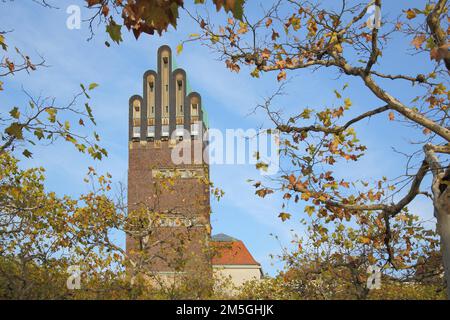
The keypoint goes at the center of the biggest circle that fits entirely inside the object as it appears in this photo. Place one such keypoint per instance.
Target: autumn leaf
(179, 48)
(426, 131)
(312, 27)
(418, 41)
(391, 116)
(284, 216)
(338, 95)
(2, 42)
(105, 10)
(51, 114)
(281, 75)
(364, 240)
(305, 196)
(255, 73)
(310, 210)
(410, 14)
(263, 192)
(89, 111)
(114, 31)
(344, 184)
(27, 153)
(243, 28)
(39, 134)
(15, 113)
(10, 65)
(262, 166)
(15, 130)
(440, 53)
(275, 35)
(92, 86)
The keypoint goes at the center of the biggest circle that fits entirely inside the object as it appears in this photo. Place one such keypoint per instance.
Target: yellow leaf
(410, 14)
(284, 216)
(179, 48)
(281, 75)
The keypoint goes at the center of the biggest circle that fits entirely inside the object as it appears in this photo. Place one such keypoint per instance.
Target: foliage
(148, 16)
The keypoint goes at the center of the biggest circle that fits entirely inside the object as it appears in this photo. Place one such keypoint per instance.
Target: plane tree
(350, 39)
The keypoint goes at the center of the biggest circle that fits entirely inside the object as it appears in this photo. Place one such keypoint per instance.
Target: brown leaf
(275, 35)
(391, 116)
(440, 53)
(105, 10)
(263, 192)
(418, 41)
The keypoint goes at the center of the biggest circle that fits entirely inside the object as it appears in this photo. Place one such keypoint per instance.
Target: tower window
(195, 109)
(136, 108)
(180, 85)
(153, 109)
(165, 60)
(136, 132)
(167, 109)
(167, 87)
(181, 108)
(151, 86)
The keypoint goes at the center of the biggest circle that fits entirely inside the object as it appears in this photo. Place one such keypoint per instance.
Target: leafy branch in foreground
(43, 121)
(147, 16)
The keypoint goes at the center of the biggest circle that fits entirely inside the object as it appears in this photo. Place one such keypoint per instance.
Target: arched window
(136, 119)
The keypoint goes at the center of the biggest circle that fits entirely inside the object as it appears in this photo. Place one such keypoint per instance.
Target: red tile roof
(232, 253)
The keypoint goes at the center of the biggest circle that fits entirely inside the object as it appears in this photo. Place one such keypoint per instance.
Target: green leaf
(89, 111)
(255, 73)
(84, 91)
(27, 153)
(113, 29)
(39, 134)
(338, 95)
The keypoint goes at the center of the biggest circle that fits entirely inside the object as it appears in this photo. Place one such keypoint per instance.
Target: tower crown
(166, 108)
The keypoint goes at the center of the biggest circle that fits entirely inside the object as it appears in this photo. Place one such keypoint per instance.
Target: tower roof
(222, 237)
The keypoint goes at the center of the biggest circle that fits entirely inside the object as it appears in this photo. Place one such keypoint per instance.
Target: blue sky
(228, 97)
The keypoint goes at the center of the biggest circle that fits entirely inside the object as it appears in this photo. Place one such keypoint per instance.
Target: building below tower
(232, 260)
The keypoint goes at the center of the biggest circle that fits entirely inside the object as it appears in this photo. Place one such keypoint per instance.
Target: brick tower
(175, 197)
